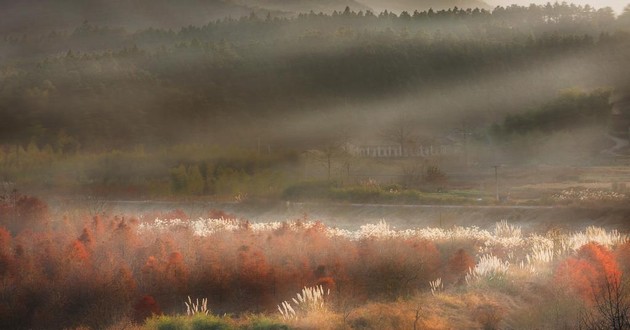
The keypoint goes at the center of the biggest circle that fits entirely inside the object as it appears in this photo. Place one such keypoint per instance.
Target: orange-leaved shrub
(20, 212)
(393, 267)
(588, 272)
(458, 266)
(623, 256)
(146, 307)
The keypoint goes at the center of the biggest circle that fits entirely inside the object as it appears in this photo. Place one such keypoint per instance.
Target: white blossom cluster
(206, 227)
(588, 194)
(592, 234)
(488, 267)
(504, 234)
(436, 286)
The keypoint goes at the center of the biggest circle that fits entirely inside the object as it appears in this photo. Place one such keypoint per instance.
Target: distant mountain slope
(420, 5)
(42, 15)
(38, 15)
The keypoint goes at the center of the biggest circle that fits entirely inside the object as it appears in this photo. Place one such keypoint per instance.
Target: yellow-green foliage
(187, 180)
(213, 322)
(165, 322)
(263, 322)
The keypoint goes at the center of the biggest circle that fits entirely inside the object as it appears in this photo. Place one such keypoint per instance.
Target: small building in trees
(384, 150)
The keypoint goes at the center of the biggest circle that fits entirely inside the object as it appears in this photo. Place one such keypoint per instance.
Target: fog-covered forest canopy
(109, 88)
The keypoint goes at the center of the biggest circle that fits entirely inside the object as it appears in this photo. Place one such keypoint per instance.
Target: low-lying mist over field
(314, 164)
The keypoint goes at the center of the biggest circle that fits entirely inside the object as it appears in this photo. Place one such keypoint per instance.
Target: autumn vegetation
(273, 109)
(72, 270)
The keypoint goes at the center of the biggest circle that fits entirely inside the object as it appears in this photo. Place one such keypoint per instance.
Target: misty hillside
(37, 15)
(299, 80)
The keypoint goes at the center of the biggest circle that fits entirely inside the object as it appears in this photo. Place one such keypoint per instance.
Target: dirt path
(619, 145)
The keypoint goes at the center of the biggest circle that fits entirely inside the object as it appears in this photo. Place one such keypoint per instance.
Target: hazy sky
(616, 5)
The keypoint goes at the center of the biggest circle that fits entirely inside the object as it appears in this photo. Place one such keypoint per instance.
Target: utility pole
(258, 146)
(466, 134)
(496, 180)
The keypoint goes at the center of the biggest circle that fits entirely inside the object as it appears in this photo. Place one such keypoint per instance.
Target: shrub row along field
(72, 270)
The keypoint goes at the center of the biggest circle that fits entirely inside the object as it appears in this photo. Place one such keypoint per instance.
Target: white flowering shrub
(588, 195)
(489, 267)
(310, 300)
(196, 307)
(592, 234)
(436, 286)
(505, 230)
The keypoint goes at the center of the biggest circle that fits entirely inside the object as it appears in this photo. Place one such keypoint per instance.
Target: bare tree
(400, 132)
(412, 172)
(611, 310)
(417, 317)
(331, 150)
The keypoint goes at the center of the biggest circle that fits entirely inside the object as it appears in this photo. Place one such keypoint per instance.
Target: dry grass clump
(395, 315)
(311, 300)
(489, 267)
(196, 307)
(448, 310)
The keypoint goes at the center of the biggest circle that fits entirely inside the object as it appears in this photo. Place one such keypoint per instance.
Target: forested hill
(289, 80)
(37, 15)
(28, 16)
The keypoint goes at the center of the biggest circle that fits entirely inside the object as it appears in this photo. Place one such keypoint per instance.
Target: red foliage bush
(176, 272)
(6, 255)
(589, 271)
(579, 275)
(623, 257)
(20, 212)
(31, 209)
(390, 268)
(146, 307)
(458, 266)
(602, 258)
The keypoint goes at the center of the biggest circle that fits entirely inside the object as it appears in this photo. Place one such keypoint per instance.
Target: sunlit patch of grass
(212, 322)
(166, 322)
(310, 300)
(448, 310)
(310, 309)
(374, 193)
(263, 322)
